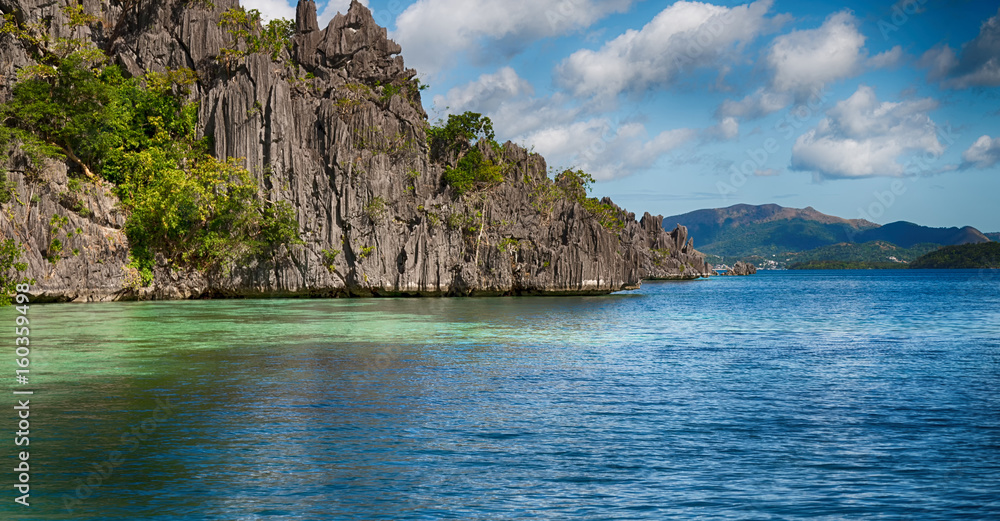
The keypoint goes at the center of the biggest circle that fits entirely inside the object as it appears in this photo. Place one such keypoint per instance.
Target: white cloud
(978, 64)
(756, 105)
(332, 8)
(434, 32)
(270, 9)
(803, 62)
(682, 37)
(486, 94)
(889, 58)
(984, 153)
(603, 151)
(862, 137)
(807, 60)
(728, 128)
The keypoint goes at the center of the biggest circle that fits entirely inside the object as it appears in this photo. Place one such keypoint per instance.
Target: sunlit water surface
(785, 395)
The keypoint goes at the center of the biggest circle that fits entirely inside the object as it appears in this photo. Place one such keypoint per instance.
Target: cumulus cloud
(862, 137)
(755, 105)
(604, 151)
(331, 9)
(803, 62)
(984, 153)
(889, 58)
(978, 64)
(433, 32)
(485, 94)
(727, 129)
(681, 38)
(806, 60)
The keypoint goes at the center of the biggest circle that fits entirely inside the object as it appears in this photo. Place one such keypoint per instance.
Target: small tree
(11, 270)
(248, 36)
(459, 144)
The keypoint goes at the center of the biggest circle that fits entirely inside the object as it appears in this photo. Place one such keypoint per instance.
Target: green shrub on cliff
(248, 35)
(11, 270)
(575, 185)
(456, 144)
(140, 135)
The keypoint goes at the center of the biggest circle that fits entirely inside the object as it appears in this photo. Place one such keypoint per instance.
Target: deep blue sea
(783, 395)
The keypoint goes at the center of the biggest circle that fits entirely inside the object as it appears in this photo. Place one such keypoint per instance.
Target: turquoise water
(785, 395)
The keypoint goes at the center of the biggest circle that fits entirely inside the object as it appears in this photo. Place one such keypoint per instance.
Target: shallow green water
(779, 396)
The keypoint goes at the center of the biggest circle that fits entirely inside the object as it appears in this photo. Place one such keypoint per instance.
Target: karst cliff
(333, 125)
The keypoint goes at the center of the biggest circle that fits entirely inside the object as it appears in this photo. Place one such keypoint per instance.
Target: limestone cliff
(741, 268)
(333, 128)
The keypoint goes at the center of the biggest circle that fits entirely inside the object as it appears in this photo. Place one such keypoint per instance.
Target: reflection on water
(783, 395)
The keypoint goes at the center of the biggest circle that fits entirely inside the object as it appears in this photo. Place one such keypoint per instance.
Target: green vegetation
(248, 36)
(874, 253)
(139, 134)
(574, 185)
(509, 245)
(8, 189)
(868, 255)
(365, 252)
(967, 256)
(456, 144)
(376, 209)
(845, 265)
(660, 255)
(771, 238)
(56, 225)
(330, 259)
(433, 219)
(388, 91)
(11, 270)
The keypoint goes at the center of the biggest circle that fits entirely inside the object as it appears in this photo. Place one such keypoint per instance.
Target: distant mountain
(906, 235)
(995, 236)
(966, 256)
(774, 232)
(868, 252)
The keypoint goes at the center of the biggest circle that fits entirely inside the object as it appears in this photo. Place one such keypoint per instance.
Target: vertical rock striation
(336, 128)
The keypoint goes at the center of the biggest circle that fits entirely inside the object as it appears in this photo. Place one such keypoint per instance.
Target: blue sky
(881, 111)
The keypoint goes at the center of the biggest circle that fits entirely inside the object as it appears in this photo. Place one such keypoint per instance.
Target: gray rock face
(671, 255)
(350, 155)
(741, 268)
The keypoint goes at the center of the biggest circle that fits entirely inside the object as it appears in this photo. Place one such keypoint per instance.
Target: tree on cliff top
(456, 145)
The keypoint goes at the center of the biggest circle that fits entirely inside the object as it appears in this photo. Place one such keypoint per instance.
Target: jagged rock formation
(350, 155)
(672, 255)
(741, 268)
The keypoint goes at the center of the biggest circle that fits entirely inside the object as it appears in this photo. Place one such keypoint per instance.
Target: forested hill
(966, 256)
